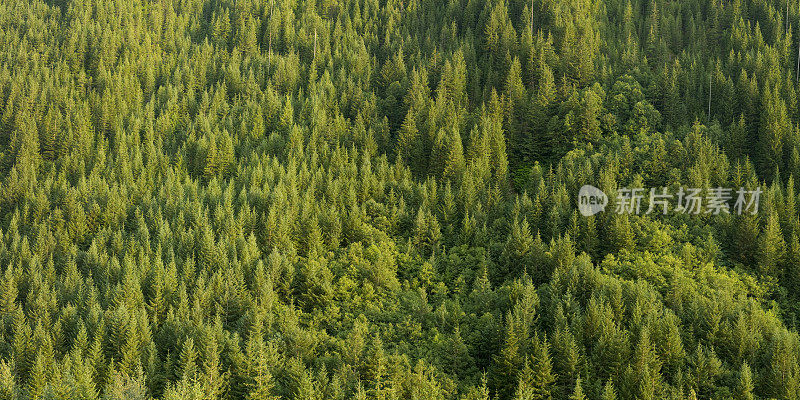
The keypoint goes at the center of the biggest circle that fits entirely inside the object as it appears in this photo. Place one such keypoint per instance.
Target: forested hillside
(376, 199)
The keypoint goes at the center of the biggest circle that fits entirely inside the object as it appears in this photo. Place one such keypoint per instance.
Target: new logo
(591, 200)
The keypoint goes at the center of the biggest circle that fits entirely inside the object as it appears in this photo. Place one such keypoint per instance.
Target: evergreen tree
(771, 247)
(577, 393)
(744, 389)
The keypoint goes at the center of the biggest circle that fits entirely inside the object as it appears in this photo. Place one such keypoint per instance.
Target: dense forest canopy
(376, 199)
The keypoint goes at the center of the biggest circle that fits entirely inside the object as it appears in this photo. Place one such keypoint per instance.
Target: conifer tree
(771, 247)
(744, 388)
(608, 391)
(577, 393)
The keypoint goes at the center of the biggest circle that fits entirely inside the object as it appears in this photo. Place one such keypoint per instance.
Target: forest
(378, 199)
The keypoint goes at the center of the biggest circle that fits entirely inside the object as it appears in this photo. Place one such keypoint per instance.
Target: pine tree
(507, 362)
(737, 142)
(771, 247)
(744, 388)
(122, 386)
(577, 393)
(262, 382)
(38, 378)
(621, 234)
(542, 378)
(772, 132)
(793, 263)
(565, 359)
(187, 367)
(8, 386)
(608, 391)
(453, 153)
(518, 245)
(409, 145)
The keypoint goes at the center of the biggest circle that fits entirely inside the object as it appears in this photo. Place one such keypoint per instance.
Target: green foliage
(375, 199)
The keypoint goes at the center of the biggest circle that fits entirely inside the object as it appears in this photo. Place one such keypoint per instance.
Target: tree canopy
(318, 199)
